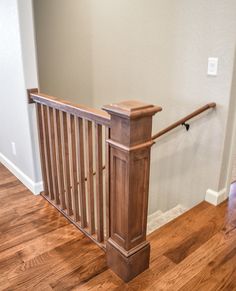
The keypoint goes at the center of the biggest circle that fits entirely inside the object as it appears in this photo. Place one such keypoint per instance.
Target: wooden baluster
(73, 166)
(53, 154)
(99, 182)
(130, 142)
(90, 186)
(58, 142)
(107, 179)
(65, 162)
(80, 151)
(47, 151)
(43, 157)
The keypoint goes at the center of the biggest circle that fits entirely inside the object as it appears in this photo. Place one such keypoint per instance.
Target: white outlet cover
(212, 69)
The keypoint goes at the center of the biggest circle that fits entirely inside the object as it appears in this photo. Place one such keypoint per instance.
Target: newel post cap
(131, 109)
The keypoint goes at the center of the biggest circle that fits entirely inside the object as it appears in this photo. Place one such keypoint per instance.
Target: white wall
(228, 167)
(155, 51)
(18, 72)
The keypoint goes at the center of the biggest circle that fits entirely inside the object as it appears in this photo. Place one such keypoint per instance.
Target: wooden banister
(72, 148)
(183, 120)
(110, 208)
(82, 111)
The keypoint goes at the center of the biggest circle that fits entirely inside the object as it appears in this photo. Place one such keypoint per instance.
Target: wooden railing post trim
(31, 91)
(130, 141)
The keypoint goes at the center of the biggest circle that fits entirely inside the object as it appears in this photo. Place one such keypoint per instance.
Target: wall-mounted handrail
(183, 120)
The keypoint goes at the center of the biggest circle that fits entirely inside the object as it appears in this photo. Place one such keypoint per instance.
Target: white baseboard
(214, 197)
(35, 188)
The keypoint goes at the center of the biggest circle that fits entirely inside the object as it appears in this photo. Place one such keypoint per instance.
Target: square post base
(128, 267)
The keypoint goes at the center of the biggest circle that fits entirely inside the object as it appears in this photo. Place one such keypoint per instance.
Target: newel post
(130, 142)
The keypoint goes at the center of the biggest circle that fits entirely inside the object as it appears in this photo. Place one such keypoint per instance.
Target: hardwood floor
(41, 250)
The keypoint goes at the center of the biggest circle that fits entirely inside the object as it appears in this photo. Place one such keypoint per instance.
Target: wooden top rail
(96, 115)
(183, 120)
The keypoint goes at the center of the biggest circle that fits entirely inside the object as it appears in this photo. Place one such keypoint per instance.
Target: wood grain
(82, 111)
(47, 151)
(51, 138)
(58, 142)
(128, 251)
(65, 162)
(99, 182)
(81, 169)
(90, 180)
(73, 165)
(184, 119)
(43, 157)
(41, 250)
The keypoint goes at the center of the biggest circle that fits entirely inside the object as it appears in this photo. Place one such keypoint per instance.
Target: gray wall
(17, 72)
(105, 51)
(64, 52)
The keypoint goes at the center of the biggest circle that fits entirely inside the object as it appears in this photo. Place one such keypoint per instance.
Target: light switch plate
(212, 69)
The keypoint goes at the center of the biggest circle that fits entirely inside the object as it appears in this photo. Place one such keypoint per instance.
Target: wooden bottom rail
(102, 245)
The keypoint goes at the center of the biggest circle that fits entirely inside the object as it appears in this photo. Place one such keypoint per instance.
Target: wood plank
(191, 243)
(66, 164)
(73, 166)
(43, 157)
(81, 169)
(99, 182)
(173, 236)
(219, 274)
(179, 275)
(49, 267)
(90, 180)
(38, 247)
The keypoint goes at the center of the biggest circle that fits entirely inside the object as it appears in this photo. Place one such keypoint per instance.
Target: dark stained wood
(90, 182)
(46, 144)
(58, 142)
(99, 182)
(82, 111)
(184, 119)
(124, 203)
(78, 225)
(73, 166)
(190, 244)
(42, 147)
(41, 250)
(129, 145)
(65, 162)
(107, 177)
(31, 91)
(66, 157)
(81, 156)
(51, 137)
